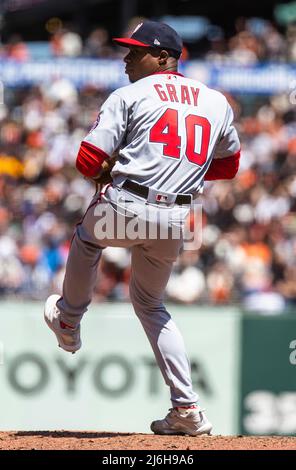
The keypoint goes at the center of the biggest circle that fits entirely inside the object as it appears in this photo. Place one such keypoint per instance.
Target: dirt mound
(82, 440)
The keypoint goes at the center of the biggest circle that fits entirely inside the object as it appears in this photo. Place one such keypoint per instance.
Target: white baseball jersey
(167, 129)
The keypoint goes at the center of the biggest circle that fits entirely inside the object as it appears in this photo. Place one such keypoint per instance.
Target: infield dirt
(88, 440)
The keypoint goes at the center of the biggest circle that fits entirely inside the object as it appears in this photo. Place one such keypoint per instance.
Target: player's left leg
(63, 314)
(80, 279)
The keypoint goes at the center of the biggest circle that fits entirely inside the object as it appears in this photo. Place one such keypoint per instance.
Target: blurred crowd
(249, 224)
(248, 249)
(255, 40)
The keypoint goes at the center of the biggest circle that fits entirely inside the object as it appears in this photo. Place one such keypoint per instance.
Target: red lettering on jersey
(161, 93)
(195, 93)
(172, 93)
(185, 96)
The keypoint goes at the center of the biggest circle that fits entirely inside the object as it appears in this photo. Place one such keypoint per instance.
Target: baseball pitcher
(170, 134)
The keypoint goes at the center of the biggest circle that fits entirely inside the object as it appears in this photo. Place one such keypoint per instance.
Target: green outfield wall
(242, 367)
(268, 375)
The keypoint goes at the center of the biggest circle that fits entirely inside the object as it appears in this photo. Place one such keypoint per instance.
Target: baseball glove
(104, 177)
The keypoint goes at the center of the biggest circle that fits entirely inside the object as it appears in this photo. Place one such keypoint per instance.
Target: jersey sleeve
(110, 127)
(225, 163)
(229, 143)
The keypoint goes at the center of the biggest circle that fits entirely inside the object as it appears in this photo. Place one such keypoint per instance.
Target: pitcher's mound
(88, 440)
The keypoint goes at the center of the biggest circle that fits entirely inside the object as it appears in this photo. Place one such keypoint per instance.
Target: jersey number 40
(166, 131)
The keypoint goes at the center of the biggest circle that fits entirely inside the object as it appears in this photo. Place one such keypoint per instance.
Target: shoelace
(175, 410)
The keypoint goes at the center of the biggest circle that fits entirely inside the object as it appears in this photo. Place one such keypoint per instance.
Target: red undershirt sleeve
(223, 168)
(89, 159)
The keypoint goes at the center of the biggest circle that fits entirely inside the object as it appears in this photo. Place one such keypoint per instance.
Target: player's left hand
(104, 176)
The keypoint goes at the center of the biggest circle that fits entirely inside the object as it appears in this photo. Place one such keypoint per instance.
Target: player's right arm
(225, 162)
(104, 138)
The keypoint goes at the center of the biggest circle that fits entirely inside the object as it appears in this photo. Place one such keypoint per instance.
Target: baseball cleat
(68, 337)
(185, 421)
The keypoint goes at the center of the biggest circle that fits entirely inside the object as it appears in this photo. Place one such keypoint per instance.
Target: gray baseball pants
(151, 265)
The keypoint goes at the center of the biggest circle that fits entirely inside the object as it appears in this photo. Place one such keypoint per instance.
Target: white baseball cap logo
(137, 27)
(156, 42)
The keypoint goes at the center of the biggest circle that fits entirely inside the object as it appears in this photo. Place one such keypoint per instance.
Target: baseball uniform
(170, 131)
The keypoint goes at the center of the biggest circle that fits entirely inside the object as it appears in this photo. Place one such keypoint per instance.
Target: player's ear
(163, 57)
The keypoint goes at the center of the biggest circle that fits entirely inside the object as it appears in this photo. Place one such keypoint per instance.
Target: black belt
(143, 191)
